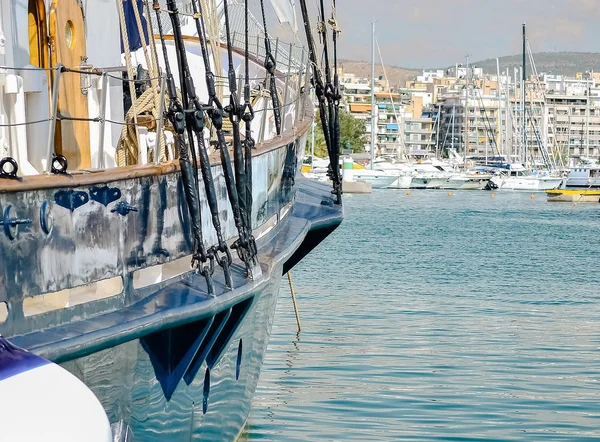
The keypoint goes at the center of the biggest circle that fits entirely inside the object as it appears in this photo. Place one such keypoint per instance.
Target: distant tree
(352, 134)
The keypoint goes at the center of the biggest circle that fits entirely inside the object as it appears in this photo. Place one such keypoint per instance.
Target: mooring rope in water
(293, 292)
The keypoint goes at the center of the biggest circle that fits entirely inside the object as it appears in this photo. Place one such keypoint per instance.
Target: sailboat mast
(523, 93)
(499, 92)
(587, 118)
(453, 122)
(508, 121)
(466, 135)
(437, 132)
(373, 97)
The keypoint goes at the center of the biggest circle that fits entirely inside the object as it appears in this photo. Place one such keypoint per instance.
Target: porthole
(70, 34)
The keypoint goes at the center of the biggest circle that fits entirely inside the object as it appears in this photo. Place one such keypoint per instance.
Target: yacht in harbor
(151, 201)
(469, 181)
(584, 176)
(379, 179)
(517, 177)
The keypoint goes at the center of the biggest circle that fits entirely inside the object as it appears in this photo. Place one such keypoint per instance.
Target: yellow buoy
(408, 192)
(493, 195)
(449, 193)
(532, 196)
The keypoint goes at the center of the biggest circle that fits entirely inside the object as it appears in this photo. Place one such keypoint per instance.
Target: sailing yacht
(151, 201)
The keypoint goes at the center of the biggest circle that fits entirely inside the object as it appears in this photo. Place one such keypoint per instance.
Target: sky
(439, 33)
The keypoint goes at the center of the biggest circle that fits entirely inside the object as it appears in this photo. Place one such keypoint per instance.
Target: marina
(219, 222)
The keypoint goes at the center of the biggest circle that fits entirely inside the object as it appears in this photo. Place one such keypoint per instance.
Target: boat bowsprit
(143, 240)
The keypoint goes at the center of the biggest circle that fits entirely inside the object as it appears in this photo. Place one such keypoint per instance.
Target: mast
(587, 117)
(508, 125)
(437, 131)
(523, 93)
(453, 123)
(373, 97)
(499, 92)
(466, 135)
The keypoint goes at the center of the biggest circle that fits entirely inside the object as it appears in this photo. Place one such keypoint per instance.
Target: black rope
(203, 259)
(270, 67)
(317, 82)
(335, 117)
(215, 111)
(247, 117)
(195, 126)
(247, 250)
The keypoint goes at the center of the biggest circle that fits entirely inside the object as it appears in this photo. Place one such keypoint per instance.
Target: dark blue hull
(182, 365)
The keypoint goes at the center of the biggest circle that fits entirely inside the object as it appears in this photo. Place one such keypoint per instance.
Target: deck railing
(292, 75)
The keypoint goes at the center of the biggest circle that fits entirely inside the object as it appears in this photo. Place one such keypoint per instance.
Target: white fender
(41, 401)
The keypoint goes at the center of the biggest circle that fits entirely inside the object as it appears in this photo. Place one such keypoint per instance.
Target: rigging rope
(203, 260)
(247, 116)
(127, 153)
(215, 111)
(335, 116)
(155, 73)
(317, 82)
(271, 66)
(242, 245)
(396, 115)
(213, 31)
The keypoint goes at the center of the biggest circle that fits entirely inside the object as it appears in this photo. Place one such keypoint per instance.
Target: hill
(396, 75)
(558, 63)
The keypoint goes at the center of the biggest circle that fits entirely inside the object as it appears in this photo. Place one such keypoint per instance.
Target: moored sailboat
(101, 221)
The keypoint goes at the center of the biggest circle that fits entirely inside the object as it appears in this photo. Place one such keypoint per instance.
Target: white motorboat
(400, 171)
(379, 179)
(467, 181)
(517, 177)
(584, 175)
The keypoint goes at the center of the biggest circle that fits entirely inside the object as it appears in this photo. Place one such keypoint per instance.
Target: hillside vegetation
(558, 63)
(362, 69)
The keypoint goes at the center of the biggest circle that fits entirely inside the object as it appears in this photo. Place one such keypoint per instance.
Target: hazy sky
(433, 33)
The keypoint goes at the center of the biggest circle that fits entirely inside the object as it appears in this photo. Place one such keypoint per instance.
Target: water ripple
(428, 317)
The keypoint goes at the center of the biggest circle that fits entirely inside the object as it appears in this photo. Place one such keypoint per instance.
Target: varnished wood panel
(72, 137)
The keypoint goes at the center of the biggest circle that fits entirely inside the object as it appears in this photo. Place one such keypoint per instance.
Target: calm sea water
(429, 317)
